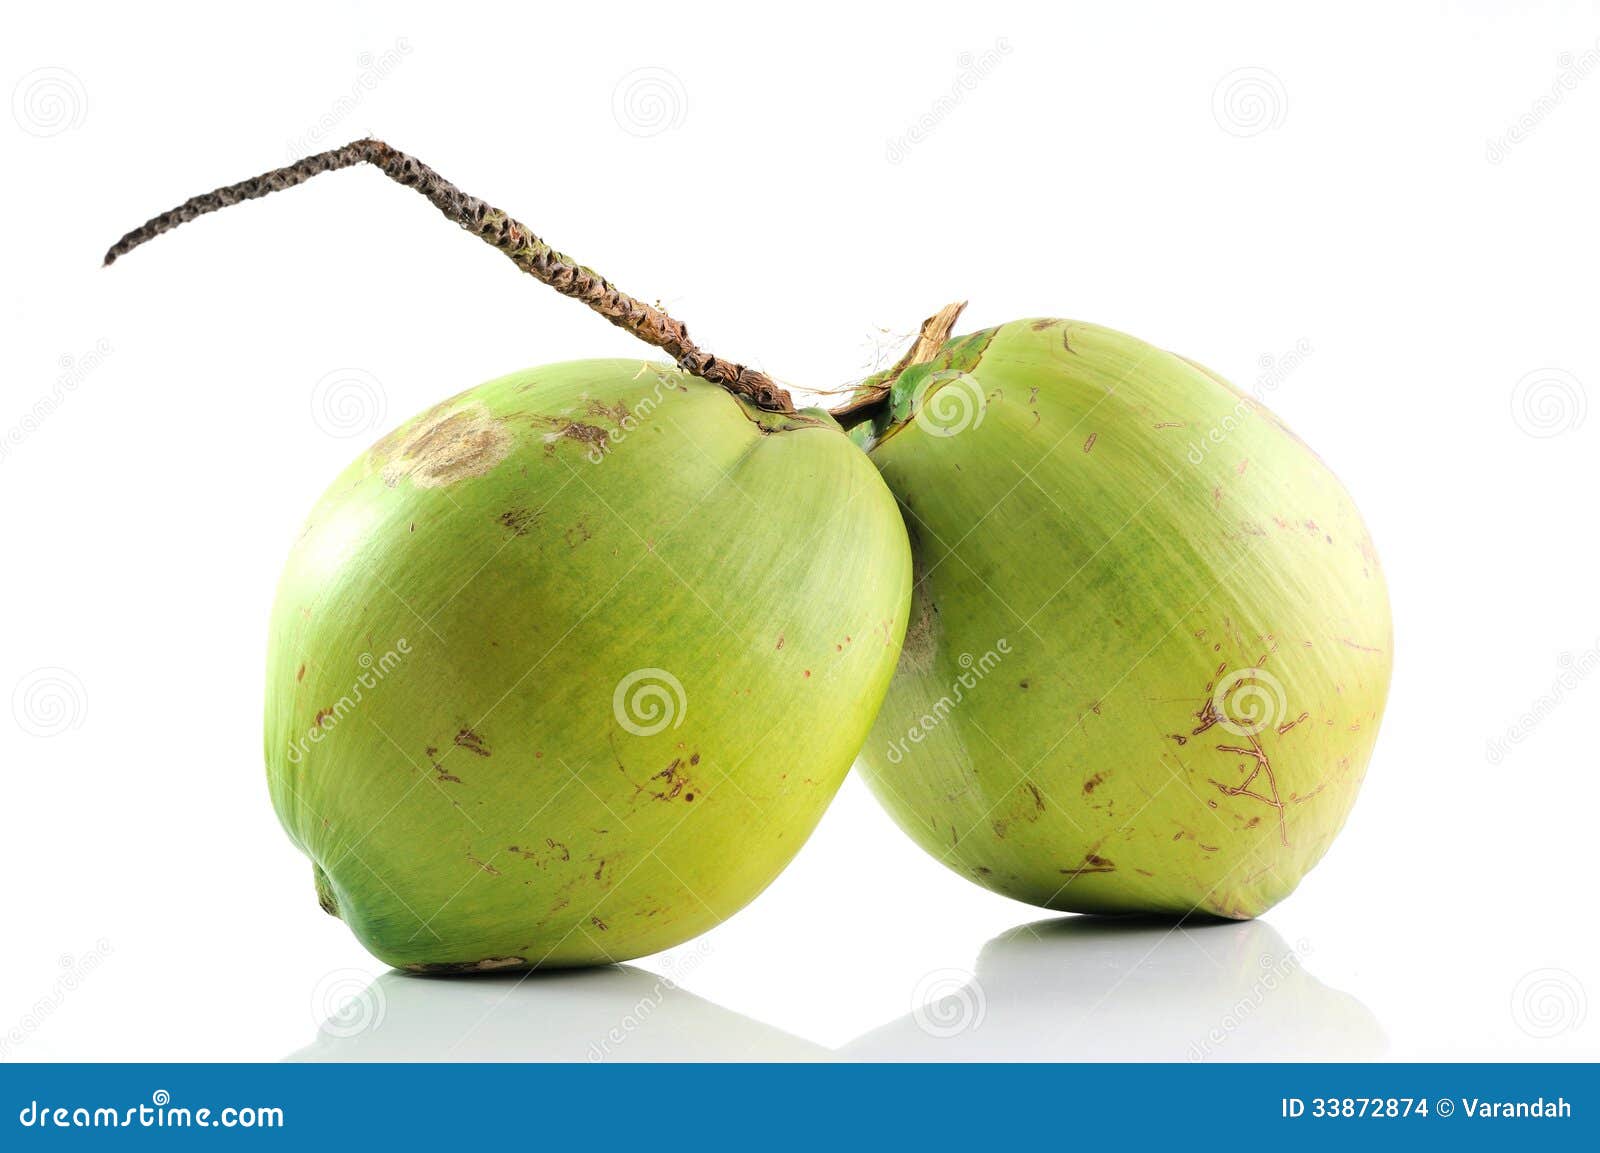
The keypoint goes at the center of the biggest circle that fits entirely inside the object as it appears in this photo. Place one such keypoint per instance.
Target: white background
(1354, 188)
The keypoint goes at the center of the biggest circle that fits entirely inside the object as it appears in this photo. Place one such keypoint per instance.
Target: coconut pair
(566, 669)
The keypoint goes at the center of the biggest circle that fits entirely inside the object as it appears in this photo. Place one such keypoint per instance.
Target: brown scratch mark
(566, 853)
(780, 642)
(1294, 799)
(1144, 872)
(518, 520)
(1352, 644)
(1179, 737)
(600, 868)
(1088, 445)
(1173, 424)
(1045, 322)
(301, 674)
(472, 742)
(484, 865)
(1206, 848)
(1287, 725)
(616, 413)
(1038, 801)
(1066, 340)
(1094, 782)
(433, 759)
(1263, 766)
(675, 781)
(1091, 864)
(598, 923)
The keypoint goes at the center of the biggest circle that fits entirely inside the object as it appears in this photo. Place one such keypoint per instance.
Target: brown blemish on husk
(487, 965)
(443, 448)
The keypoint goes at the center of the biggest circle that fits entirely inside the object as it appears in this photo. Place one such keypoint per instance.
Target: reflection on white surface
(618, 1013)
(1134, 989)
(1067, 989)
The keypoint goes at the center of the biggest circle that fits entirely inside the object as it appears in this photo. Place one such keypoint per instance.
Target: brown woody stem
(871, 393)
(493, 226)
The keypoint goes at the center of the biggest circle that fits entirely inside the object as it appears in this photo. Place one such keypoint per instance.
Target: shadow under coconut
(614, 1013)
(1090, 988)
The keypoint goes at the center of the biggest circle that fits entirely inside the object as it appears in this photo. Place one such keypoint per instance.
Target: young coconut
(1150, 640)
(564, 670)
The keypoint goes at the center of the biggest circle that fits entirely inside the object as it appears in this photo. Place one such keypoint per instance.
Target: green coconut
(565, 670)
(1150, 641)
(560, 672)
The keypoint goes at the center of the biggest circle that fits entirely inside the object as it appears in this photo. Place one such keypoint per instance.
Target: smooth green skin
(1134, 564)
(475, 802)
